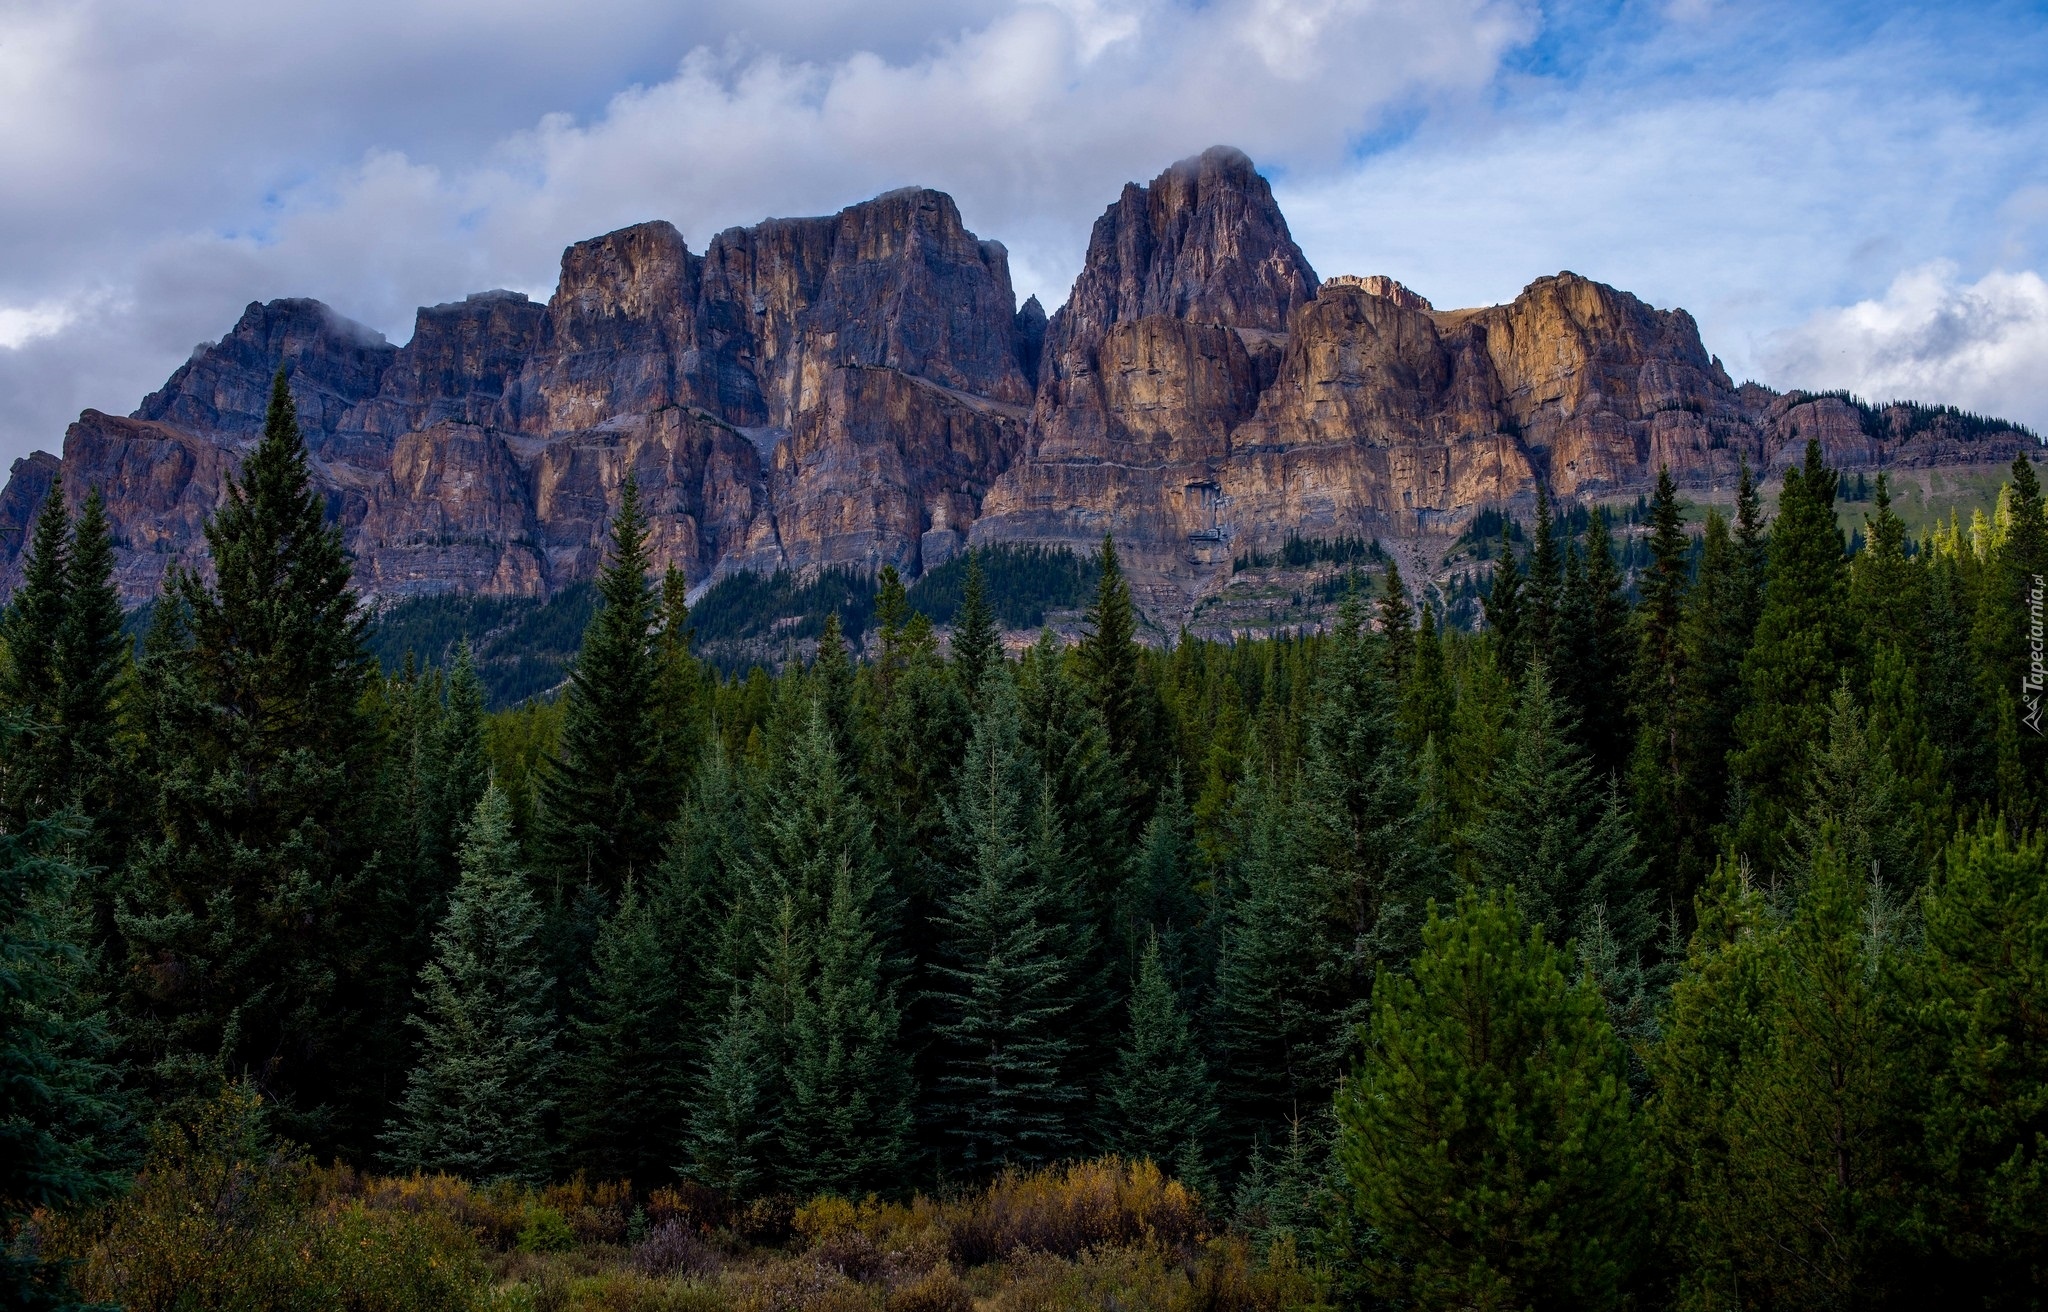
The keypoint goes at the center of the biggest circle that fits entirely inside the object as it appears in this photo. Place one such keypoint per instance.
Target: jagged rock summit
(862, 389)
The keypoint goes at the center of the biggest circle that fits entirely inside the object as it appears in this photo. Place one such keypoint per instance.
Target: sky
(1842, 194)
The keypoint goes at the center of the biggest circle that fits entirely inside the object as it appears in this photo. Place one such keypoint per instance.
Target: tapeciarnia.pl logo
(2031, 681)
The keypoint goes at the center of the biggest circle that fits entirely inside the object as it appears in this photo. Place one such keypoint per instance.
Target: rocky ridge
(863, 389)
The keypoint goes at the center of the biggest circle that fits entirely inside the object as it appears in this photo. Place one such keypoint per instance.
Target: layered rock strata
(862, 389)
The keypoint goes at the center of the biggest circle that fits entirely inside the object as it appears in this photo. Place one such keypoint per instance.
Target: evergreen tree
(1488, 1139)
(1887, 589)
(1112, 673)
(846, 1124)
(31, 628)
(1161, 907)
(1504, 606)
(1592, 643)
(1427, 699)
(2014, 571)
(1161, 1103)
(624, 1087)
(1854, 807)
(1976, 991)
(977, 643)
(478, 1101)
(91, 664)
(1543, 593)
(1714, 640)
(606, 802)
(729, 1138)
(678, 682)
(1657, 770)
(1779, 1097)
(1556, 836)
(63, 1127)
(1004, 986)
(1802, 642)
(247, 901)
(1397, 625)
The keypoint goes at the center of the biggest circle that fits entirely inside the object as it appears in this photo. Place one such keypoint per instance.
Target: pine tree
(1504, 606)
(1802, 641)
(624, 1083)
(1488, 1139)
(246, 894)
(1004, 986)
(478, 1101)
(977, 644)
(606, 801)
(1161, 1103)
(63, 1127)
(1556, 836)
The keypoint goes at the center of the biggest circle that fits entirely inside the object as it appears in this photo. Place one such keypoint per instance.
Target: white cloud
(1980, 345)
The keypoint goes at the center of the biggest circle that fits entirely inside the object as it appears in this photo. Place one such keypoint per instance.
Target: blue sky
(1843, 195)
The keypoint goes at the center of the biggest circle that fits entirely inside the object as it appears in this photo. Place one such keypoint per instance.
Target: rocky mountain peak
(1387, 289)
(332, 362)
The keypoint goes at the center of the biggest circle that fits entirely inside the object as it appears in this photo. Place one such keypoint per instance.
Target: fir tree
(1427, 699)
(1802, 641)
(1161, 1102)
(1592, 641)
(1713, 640)
(678, 681)
(605, 800)
(1161, 906)
(1887, 589)
(245, 886)
(977, 644)
(1488, 1139)
(92, 661)
(1853, 799)
(1657, 770)
(624, 1091)
(477, 1102)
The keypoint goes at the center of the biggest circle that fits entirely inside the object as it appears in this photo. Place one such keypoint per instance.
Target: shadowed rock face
(863, 389)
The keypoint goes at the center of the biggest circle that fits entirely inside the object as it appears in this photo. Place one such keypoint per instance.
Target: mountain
(862, 389)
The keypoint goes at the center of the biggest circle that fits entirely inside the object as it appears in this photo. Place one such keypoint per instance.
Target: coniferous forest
(1678, 939)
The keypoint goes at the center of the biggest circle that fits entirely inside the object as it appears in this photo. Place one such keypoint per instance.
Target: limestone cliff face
(863, 389)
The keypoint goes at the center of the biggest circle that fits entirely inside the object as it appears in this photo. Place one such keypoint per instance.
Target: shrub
(546, 1232)
(1065, 1211)
(672, 1249)
(937, 1290)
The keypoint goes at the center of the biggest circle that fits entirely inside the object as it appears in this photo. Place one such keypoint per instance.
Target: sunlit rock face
(863, 389)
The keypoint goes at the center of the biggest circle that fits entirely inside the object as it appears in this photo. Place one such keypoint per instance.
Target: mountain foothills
(862, 389)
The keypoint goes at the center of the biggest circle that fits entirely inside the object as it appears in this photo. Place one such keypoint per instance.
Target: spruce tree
(1887, 589)
(606, 802)
(1427, 699)
(92, 663)
(1504, 607)
(1592, 642)
(1112, 674)
(625, 1081)
(1543, 593)
(1657, 771)
(1488, 1140)
(1396, 625)
(1006, 981)
(31, 628)
(1556, 835)
(246, 895)
(1714, 641)
(1853, 798)
(977, 643)
(63, 1127)
(478, 1101)
(1975, 991)
(1161, 1103)
(728, 1138)
(1161, 907)
(1803, 639)
(846, 1124)
(679, 716)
